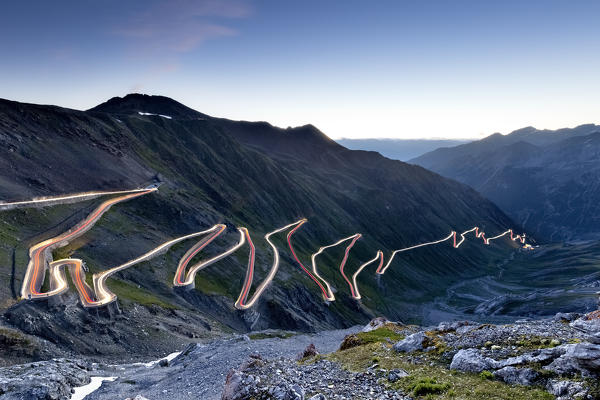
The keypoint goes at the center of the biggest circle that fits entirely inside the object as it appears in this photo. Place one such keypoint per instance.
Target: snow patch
(81, 392)
(150, 364)
(160, 115)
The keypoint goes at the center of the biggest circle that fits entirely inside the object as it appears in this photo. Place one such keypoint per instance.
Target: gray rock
(566, 390)
(454, 326)
(375, 323)
(471, 360)
(239, 386)
(318, 397)
(396, 374)
(538, 356)
(566, 317)
(461, 330)
(579, 357)
(52, 379)
(285, 391)
(411, 343)
(589, 326)
(517, 376)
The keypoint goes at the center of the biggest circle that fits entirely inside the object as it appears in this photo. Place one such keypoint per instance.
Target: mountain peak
(134, 103)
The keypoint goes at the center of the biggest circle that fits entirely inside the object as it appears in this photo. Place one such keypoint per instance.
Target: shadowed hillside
(241, 174)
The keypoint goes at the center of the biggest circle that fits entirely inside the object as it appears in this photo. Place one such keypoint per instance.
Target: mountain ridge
(545, 180)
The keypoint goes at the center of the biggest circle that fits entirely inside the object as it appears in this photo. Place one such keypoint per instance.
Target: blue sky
(455, 69)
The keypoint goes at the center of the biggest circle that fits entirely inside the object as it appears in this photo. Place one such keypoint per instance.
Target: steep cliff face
(241, 174)
(548, 181)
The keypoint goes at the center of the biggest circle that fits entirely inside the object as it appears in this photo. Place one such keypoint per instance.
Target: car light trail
(329, 296)
(381, 271)
(68, 198)
(314, 278)
(455, 244)
(38, 254)
(189, 280)
(355, 292)
(179, 273)
(242, 303)
(100, 295)
(105, 296)
(343, 263)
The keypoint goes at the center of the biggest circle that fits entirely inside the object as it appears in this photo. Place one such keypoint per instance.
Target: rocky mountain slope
(548, 181)
(238, 173)
(553, 358)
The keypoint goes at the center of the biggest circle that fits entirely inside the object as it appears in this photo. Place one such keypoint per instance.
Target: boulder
(566, 317)
(517, 376)
(163, 362)
(375, 323)
(537, 356)
(239, 386)
(471, 360)
(454, 326)
(396, 374)
(590, 326)
(566, 390)
(579, 357)
(411, 343)
(287, 392)
(53, 379)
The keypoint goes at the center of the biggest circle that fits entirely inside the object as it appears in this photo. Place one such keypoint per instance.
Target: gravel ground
(321, 377)
(200, 372)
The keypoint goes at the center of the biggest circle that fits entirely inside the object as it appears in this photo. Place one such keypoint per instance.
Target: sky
(355, 69)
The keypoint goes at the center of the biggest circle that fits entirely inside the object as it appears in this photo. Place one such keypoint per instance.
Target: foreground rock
(45, 380)
(411, 343)
(284, 379)
(525, 360)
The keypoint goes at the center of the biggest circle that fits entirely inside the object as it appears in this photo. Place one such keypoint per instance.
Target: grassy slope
(429, 376)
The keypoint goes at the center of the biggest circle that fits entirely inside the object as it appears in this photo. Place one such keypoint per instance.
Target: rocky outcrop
(44, 380)
(517, 376)
(471, 360)
(375, 323)
(411, 343)
(581, 358)
(566, 390)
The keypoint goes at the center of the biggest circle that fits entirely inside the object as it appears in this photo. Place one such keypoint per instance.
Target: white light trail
(330, 296)
(199, 266)
(355, 292)
(77, 197)
(241, 301)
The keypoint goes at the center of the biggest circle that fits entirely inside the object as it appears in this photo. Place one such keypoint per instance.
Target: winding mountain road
(41, 256)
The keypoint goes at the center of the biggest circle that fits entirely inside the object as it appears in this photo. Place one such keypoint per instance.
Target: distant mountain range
(548, 181)
(399, 149)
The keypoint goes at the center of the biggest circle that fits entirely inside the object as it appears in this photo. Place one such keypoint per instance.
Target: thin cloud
(180, 26)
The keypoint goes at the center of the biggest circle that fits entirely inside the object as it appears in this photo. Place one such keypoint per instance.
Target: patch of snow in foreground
(96, 381)
(150, 364)
(168, 358)
(160, 115)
